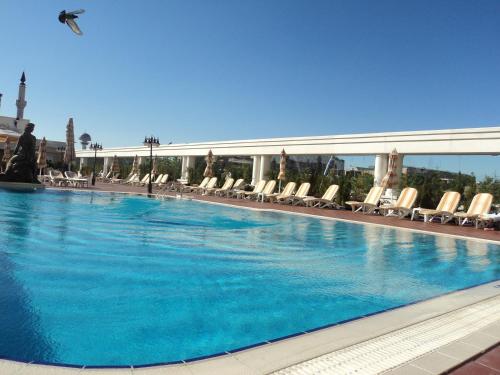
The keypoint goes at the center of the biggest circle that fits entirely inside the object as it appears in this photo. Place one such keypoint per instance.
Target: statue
(22, 166)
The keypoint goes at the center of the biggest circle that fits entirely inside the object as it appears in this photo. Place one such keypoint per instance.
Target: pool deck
(435, 336)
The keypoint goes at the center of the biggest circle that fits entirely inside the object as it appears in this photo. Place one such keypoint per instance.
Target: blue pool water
(109, 279)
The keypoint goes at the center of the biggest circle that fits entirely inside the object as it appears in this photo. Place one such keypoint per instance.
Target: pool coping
(278, 354)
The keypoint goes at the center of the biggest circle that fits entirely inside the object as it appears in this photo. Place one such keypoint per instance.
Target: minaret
(20, 102)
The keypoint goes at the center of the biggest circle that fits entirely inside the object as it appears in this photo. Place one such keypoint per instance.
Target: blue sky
(212, 69)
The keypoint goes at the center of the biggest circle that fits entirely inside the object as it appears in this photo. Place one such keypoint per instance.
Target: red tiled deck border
(485, 364)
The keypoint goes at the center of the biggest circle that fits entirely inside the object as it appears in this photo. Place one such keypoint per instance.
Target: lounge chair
(300, 194)
(210, 185)
(129, 178)
(108, 177)
(143, 182)
(57, 178)
(134, 179)
(228, 184)
(268, 190)
(403, 205)
(256, 190)
(157, 180)
(325, 201)
(161, 180)
(286, 193)
(189, 188)
(369, 205)
(488, 221)
(76, 181)
(480, 206)
(445, 209)
(116, 180)
(237, 187)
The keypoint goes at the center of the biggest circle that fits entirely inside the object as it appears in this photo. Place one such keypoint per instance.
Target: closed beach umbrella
(42, 155)
(282, 174)
(135, 165)
(115, 167)
(390, 180)
(7, 153)
(69, 153)
(154, 170)
(210, 161)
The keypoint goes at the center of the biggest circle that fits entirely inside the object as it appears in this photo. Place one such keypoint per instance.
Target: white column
(107, 164)
(83, 162)
(187, 162)
(380, 168)
(255, 170)
(265, 166)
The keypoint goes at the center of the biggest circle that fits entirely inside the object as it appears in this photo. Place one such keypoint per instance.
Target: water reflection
(404, 239)
(478, 254)
(446, 248)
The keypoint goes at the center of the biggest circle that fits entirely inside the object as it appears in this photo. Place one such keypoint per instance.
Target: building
(12, 127)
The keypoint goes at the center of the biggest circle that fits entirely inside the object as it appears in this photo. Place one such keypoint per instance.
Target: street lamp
(96, 147)
(151, 141)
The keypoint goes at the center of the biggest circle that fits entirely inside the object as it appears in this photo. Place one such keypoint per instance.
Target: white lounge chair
(157, 180)
(228, 184)
(76, 181)
(256, 190)
(480, 206)
(370, 203)
(403, 205)
(325, 201)
(57, 178)
(268, 189)
(134, 179)
(189, 188)
(210, 185)
(286, 193)
(300, 194)
(143, 182)
(162, 180)
(445, 209)
(237, 187)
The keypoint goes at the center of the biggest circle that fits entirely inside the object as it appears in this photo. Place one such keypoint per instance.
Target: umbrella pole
(279, 187)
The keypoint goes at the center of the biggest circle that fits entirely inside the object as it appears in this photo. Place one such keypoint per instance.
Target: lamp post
(151, 141)
(96, 147)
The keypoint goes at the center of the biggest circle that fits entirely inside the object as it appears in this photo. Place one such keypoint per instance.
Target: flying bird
(69, 19)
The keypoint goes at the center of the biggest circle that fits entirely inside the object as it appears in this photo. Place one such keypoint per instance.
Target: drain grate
(393, 349)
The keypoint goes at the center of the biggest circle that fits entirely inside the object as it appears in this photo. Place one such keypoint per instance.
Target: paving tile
(162, 370)
(492, 330)
(11, 367)
(473, 368)
(491, 359)
(460, 350)
(49, 370)
(480, 340)
(435, 362)
(227, 365)
(110, 371)
(407, 370)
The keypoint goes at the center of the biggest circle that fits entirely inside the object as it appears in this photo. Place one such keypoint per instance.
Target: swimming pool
(108, 279)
